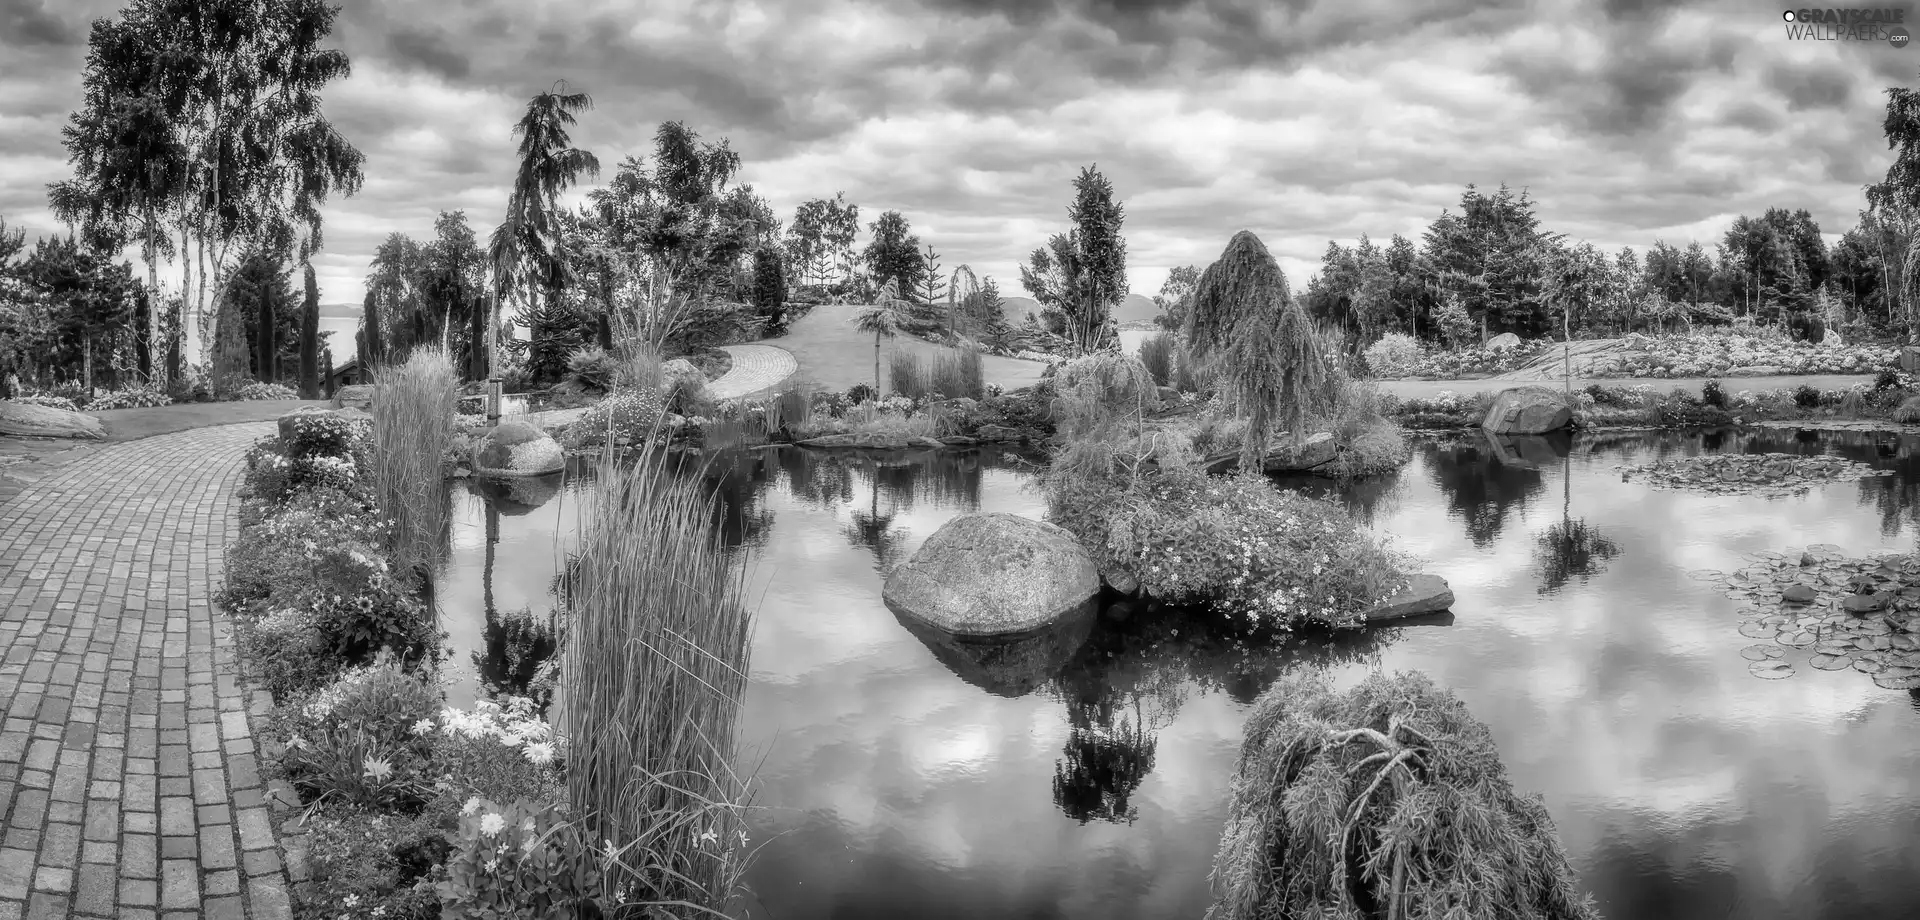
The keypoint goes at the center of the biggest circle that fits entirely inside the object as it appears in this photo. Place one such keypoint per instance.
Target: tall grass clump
(1908, 412)
(413, 408)
(951, 374)
(1157, 354)
(638, 367)
(1388, 800)
(655, 664)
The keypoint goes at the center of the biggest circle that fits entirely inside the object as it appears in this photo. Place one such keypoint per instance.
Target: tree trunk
(477, 338)
(156, 370)
(876, 365)
(1253, 453)
(86, 358)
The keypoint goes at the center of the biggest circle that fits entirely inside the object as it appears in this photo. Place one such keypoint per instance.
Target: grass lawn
(834, 355)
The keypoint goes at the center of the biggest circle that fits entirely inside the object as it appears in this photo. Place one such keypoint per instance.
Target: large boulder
(1423, 594)
(993, 574)
(1505, 341)
(359, 396)
(516, 448)
(1283, 457)
(20, 419)
(1528, 410)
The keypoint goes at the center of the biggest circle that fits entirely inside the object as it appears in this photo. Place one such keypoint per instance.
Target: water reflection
(902, 774)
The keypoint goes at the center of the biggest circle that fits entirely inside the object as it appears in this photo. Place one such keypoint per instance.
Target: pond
(1086, 777)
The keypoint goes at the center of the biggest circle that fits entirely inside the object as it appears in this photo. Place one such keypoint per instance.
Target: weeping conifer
(1242, 311)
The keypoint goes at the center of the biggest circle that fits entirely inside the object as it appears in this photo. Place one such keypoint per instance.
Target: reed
(656, 662)
(413, 409)
(1156, 352)
(951, 373)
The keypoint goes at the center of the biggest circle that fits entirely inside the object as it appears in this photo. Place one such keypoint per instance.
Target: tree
(310, 336)
(1269, 353)
(770, 286)
(1576, 281)
(1175, 294)
(368, 341)
(525, 249)
(932, 286)
(887, 316)
(894, 253)
(993, 312)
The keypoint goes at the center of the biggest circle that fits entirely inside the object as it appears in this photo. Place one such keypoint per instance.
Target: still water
(1085, 775)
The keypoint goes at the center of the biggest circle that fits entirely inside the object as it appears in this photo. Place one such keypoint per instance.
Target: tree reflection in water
(1571, 549)
(1481, 492)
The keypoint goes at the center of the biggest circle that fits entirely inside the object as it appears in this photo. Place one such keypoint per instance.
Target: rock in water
(31, 421)
(1423, 594)
(1318, 450)
(993, 574)
(516, 448)
(359, 396)
(1865, 603)
(1799, 594)
(1528, 410)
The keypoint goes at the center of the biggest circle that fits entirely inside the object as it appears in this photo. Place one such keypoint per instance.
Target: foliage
(265, 391)
(1908, 412)
(524, 250)
(1806, 396)
(1393, 355)
(1175, 295)
(710, 323)
(368, 865)
(49, 402)
(886, 317)
(521, 859)
(1156, 352)
(893, 255)
(632, 416)
(1082, 274)
(1235, 543)
(1476, 360)
(413, 409)
(1386, 800)
(655, 666)
(1445, 409)
(770, 289)
(1713, 394)
(366, 739)
(947, 374)
(142, 398)
(593, 368)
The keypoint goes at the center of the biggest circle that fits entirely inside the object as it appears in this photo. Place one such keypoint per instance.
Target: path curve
(128, 765)
(755, 369)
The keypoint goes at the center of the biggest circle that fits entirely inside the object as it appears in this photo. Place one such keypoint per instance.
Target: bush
(286, 653)
(264, 391)
(861, 392)
(1908, 412)
(143, 398)
(522, 859)
(1263, 555)
(631, 415)
(948, 374)
(364, 865)
(1713, 395)
(593, 368)
(1156, 352)
(1395, 354)
(1806, 396)
(684, 387)
(366, 739)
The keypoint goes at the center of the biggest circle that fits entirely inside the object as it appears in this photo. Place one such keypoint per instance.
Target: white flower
(492, 824)
(540, 753)
(473, 805)
(709, 836)
(377, 770)
(423, 727)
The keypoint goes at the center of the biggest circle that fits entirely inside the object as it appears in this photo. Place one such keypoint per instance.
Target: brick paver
(755, 369)
(128, 767)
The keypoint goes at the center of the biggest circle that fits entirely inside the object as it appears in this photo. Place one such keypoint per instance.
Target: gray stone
(1799, 594)
(991, 573)
(1866, 603)
(517, 448)
(1503, 342)
(1423, 594)
(1119, 579)
(1283, 457)
(1528, 410)
(27, 420)
(359, 396)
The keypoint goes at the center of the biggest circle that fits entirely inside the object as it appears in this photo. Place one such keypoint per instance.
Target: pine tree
(369, 339)
(310, 337)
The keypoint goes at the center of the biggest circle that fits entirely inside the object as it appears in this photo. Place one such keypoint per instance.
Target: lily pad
(1761, 652)
(1705, 575)
(1798, 639)
(1755, 629)
(1873, 643)
(1829, 662)
(1896, 683)
(1867, 666)
(1770, 670)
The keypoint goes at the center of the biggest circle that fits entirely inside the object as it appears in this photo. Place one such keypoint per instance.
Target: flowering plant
(521, 859)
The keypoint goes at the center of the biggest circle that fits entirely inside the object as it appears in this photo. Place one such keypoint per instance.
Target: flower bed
(261, 391)
(1472, 362)
(411, 809)
(1266, 556)
(145, 398)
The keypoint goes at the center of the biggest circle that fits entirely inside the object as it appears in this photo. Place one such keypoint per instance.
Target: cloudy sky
(1302, 120)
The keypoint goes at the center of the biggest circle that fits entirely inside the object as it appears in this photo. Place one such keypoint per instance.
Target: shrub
(286, 652)
(1386, 800)
(861, 392)
(1393, 355)
(264, 391)
(317, 434)
(1156, 352)
(1713, 395)
(1806, 396)
(366, 739)
(632, 415)
(1263, 555)
(641, 367)
(364, 865)
(1908, 412)
(1891, 378)
(522, 859)
(143, 398)
(684, 386)
(592, 368)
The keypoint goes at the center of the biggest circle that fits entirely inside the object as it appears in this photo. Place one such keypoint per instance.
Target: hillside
(1134, 308)
(833, 355)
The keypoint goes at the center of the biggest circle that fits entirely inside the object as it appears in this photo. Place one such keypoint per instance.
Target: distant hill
(1134, 308)
(340, 310)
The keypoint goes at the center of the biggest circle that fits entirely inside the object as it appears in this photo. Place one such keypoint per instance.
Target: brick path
(756, 368)
(128, 768)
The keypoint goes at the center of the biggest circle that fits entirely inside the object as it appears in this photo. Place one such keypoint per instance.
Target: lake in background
(1087, 777)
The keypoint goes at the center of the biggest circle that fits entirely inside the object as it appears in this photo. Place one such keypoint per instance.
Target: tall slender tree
(310, 335)
(525, 249)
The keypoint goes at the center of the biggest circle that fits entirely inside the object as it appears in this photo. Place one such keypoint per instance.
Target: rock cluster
(1750, 474)
(1831, 611)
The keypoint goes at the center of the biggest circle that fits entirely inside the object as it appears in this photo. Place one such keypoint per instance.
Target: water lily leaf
(1873, 643)
(1755, 629)
(1867, 666)
(1761, 652)
(1829, 662)
(1770, 670)
(1896, 683)
(1706, 575)
(1834, 647)
(1873, 627)
(1798, 639)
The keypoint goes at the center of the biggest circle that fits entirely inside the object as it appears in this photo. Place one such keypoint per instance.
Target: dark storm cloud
(429, 51)
(28, 23)
(1811, 85)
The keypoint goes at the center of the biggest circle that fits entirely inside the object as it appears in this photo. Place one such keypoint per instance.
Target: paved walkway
(756, 369)
(128, 767)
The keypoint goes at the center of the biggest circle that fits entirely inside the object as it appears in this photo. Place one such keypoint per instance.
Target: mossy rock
(516, 448)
